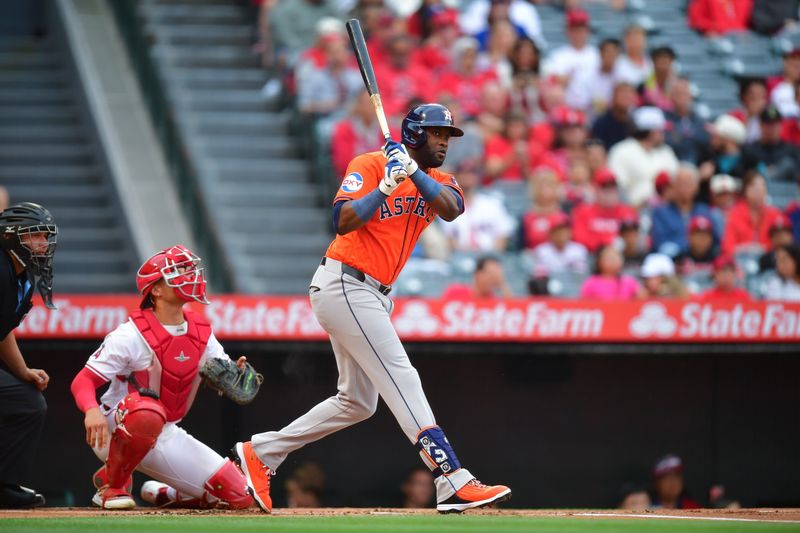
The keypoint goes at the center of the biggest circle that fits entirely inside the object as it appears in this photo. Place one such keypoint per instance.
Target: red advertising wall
(521, 320)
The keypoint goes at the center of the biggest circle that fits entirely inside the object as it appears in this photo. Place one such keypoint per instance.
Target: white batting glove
(394, 172)
(397, 151)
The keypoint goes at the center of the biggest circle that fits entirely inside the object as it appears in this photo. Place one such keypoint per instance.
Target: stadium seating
(251, 171)
(47, 155)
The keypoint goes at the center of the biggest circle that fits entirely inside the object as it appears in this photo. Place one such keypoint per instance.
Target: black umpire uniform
(22, 405)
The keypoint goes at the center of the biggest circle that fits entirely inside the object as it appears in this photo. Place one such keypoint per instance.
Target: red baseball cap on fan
(700, 223)
(577, 17)
(566, 116)
(559, 220)
(780, 223)
(604, 177)
(724, 261)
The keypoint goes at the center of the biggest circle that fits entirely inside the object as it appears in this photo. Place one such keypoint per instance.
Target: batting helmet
(179, 268)
(29, 234)
(426, 116)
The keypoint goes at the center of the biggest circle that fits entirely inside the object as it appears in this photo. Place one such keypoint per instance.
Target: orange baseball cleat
(258, 474)
(473, 495)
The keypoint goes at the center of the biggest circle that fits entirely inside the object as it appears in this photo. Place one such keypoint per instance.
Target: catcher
(154, 363)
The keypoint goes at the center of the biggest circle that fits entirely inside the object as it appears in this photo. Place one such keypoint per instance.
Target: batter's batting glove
(395, 151)
(394, 172)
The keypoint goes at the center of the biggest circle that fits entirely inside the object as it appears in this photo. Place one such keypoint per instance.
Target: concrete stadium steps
(47, 156)
(249, 166)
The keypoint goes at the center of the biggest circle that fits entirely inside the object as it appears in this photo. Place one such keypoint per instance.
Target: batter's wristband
(429, 188)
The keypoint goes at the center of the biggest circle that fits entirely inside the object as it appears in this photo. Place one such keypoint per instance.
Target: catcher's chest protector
(173, 373)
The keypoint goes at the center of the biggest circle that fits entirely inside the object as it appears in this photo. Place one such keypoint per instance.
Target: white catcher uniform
(178, 459)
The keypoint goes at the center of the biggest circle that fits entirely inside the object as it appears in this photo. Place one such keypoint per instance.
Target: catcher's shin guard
(139, 423)
(229, 485)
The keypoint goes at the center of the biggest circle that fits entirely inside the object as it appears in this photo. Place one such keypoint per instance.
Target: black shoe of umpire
(16, 497)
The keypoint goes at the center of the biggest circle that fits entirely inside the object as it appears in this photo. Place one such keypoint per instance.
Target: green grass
(379, 524)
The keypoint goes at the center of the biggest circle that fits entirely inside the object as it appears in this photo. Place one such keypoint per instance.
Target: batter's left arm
(448, 205)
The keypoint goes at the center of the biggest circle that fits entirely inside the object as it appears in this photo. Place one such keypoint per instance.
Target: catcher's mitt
(239, 384)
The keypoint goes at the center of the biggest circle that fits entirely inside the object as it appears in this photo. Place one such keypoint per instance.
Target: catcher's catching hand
(238, 381)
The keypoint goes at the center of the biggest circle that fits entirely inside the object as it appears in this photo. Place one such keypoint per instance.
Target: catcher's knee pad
(139, 423)
(230, 486)
(436, 452)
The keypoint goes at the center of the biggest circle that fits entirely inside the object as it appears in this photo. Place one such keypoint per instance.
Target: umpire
(28, 240)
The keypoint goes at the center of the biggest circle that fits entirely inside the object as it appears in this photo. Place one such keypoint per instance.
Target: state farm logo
(653, 320)
(415, 318)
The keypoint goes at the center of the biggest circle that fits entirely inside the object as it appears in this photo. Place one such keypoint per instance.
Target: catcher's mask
(29, 234)
(179, 268)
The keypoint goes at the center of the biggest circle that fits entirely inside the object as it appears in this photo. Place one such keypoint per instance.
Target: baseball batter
(385, 201)
(162, 345)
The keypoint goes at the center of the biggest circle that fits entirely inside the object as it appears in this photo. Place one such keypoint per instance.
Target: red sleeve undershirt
(83, 389)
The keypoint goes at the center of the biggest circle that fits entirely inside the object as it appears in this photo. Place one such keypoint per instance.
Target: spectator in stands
(687, 133)
(717, 17)
(578, 188)
(576, 56)
(498, 12)
(791, 125)
(608, 283)
(750, 219)
(591, 91)
(328, 30)
(560, 253)
(634, 498)
(786, 285)
(293, 24)
(783, 94)
(726, 276)
(524, 94)
(304, 487)
(495, 58)
(481, 13)
(633, 244)
(772, 16)
(793, 212)
(668, 488)
(701, 252)
(672, 219)
(634, 66)
(754, 97)
(509, 156)
(725, 151)
(417, 488)
(772, 157)
(657, 86)
(545, 193)
(400, 78)
(659, 279)
(488, 282)
(615, 124)
(637, 160)
(329, 91)
(570, 144)
(465, 81)
(723, 189)
(355, 134)
(597, 224)
(493, 109)
(780, 234)
(664, 190)
(485, 225)
(436, 52)
(596, 155)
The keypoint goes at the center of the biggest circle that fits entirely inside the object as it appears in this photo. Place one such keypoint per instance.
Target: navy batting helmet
(426, 116)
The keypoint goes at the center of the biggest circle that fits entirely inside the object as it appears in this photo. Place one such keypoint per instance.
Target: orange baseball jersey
(381, 247)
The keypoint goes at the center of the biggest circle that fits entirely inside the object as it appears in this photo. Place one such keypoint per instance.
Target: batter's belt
(357, 274)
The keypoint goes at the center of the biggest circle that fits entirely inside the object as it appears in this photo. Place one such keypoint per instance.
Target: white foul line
(680, 517)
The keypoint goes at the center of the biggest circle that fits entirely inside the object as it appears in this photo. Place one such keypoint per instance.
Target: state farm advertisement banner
(523, 320)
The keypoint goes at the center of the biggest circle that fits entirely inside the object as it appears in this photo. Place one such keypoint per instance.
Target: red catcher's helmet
(179, 268)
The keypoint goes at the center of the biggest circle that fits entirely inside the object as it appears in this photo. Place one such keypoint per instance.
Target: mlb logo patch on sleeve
(352, 182)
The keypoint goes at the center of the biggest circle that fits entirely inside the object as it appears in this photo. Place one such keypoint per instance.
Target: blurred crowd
(588, 160)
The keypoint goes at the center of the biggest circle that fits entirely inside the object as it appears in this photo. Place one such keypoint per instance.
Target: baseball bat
(367, 73)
